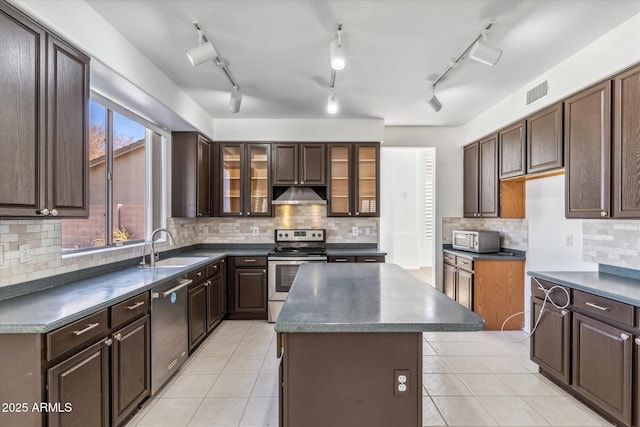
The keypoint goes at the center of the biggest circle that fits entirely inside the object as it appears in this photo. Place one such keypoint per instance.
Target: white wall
(448, 197)
(548, 231)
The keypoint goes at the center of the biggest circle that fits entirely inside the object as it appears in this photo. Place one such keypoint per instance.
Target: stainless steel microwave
(476, 241)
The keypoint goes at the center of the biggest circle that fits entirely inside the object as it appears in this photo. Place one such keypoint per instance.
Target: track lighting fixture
(336, 50)
(478, 50)
(235, 100)
(432, 100)
(205, 51)
(484, 53)
(332, 103)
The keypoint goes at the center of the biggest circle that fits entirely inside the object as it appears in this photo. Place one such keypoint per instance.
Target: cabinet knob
(603, 213)
(199, 273)
(118, 337)
(264, 271)
(248, 213)
(624, 336)
(54, 212)
(108, 342)
(295, 182)
(564, 312)
(44, 212)
(638, 341)
(349, 214)
(357, 213)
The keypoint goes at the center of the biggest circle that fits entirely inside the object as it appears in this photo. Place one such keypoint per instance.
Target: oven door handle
(299, 260)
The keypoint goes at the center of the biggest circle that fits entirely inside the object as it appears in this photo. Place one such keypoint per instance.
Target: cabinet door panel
(82, 381)
(231, 181)
(488, 177)
(449, 281)
(465, 289)
(258, 180)
(203, 175)
(636, 386)
(312, 164)
(512, 150)
(213, 303)
(471, 181)
(285, 164)
(197, 315)
(602, 366)
(587, 136)
(67, 134)
(367, 166)
(544, 139)
(626, 145)
(339, 188)
(130, 368)
(250, 290)
(550, 342)
(22, 136)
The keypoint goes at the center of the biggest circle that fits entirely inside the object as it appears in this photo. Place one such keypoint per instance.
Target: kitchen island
(351, 339)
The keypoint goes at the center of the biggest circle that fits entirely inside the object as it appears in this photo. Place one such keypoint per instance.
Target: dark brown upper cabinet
(481, 191)
(626, 144)
(298, 164)
(353, 186)
(244, 182)
(44, 167)
(544, 139)
(587, 137)
(191, 175)
(512, 150)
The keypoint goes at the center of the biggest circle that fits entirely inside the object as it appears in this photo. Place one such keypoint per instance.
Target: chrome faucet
(153, 256)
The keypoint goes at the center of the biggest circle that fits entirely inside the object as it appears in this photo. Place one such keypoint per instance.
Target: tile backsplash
(610, 242)
(513, 232)
(45, 239)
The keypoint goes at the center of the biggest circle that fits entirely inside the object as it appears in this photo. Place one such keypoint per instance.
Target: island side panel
(348, 379)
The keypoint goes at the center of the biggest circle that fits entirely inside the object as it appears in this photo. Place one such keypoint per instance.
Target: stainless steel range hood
(299, 196)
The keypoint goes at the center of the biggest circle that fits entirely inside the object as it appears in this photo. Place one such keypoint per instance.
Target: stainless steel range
(292, 248)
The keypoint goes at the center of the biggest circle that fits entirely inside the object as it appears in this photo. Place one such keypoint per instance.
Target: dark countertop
(516, 255)
(355, 252)
(617, 288)
(359, 297)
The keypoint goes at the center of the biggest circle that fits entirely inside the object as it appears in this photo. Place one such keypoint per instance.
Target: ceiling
(278, 51)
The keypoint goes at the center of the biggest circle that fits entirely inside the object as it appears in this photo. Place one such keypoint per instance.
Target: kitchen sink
(179, 261)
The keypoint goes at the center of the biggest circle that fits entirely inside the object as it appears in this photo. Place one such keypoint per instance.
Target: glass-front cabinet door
(231, 160)
(367, 171)
(258, 193)
(340, 189)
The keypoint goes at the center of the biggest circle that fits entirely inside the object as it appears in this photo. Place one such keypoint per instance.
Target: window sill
(109, 249)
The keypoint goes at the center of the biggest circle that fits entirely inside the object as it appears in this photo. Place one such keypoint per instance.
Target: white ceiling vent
(537, 92)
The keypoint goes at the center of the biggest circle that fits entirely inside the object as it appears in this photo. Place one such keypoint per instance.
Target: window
(428, 177)
(121, 159)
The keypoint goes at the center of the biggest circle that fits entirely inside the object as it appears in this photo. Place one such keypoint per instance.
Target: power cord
(547, 297)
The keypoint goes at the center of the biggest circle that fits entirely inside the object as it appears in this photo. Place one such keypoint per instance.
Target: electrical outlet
(206, 231)
(354, 231)
(25, 253)
(401, 383)
(255, 230)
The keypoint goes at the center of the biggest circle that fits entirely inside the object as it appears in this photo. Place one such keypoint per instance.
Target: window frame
(151, 204)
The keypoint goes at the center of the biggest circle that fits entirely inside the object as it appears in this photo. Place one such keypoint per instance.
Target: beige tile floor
(469, 379)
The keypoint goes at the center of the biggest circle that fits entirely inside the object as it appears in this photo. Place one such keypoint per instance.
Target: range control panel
(297, 235)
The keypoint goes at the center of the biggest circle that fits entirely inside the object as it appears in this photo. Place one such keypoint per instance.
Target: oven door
(282, 271)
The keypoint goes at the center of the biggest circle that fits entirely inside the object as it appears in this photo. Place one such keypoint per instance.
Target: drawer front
(376, 258)
(214, 269)
(77, 334)
(341, 259)
(464, 263)
(604, 308)
(449, 258)
(250, 261)
(557, 295)
(198, 275)
(130, 309)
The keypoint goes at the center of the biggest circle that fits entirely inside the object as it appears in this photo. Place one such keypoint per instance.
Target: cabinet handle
(624, 336)
(118, 337)
(369, 260)
(603, 213)
(108, 342)
(249, 260)
(136, 305)
(88, 328)
(340, 260)
(599, 307)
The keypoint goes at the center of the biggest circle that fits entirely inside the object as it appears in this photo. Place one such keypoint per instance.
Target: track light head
(332, 104)
(338, 60)
(235, 100)
(432, 101)
(202, 53)
(485, 53)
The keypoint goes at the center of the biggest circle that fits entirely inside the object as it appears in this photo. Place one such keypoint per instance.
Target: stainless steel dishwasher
(169, 330)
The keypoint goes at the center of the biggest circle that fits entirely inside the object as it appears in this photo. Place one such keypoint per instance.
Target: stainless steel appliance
(476, 241)
(292, 248)
(169, 330)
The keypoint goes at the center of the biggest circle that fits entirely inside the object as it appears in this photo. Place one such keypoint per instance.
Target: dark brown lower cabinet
(550, 342)
(79, 387)
(214, 309)
(197, 315)
(636, 386)
(602, 366)
(130, 369)
(250, 289)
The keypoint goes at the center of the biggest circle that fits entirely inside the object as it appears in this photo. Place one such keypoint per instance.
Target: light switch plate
(354, 231)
